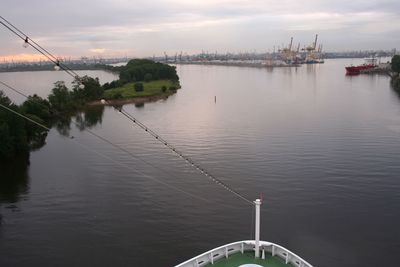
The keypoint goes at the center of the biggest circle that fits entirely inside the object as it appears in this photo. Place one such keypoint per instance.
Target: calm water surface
(322, 147)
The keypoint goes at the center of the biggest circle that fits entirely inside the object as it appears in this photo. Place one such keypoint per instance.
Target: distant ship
(370, 63)
(248, 253)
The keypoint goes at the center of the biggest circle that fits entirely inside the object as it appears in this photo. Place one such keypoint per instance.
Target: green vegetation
(17, 135)
(146, 70)
(143, 70)
(138, 87)
(63, 100)
(140, 78)
(149, 89)
(396, 64)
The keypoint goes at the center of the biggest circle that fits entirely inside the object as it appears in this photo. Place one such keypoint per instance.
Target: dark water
(322, 147)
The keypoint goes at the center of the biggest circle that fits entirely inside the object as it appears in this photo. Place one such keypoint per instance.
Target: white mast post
(257, 230)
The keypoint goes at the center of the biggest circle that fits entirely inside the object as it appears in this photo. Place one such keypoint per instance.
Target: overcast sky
(146, 27)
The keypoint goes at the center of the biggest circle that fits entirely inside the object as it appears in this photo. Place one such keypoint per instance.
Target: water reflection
(63, 125)
(14, 179)
(310, 68)
(395, 89)
(139, 105)
(86, 118)
(317, 145)
(89, 117)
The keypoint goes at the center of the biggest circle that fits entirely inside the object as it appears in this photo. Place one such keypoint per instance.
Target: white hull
(240, 247)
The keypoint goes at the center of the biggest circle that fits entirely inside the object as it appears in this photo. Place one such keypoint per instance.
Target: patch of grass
(151, 88)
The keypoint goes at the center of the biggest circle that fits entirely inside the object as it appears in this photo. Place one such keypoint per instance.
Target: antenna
(257, 203)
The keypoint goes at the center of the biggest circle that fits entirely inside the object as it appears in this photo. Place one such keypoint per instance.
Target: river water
(323, 148)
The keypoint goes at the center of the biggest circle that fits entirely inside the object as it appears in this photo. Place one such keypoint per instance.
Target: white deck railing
(242, 246)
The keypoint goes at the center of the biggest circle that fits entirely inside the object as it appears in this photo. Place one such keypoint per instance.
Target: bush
(139, 87)
(172, 88)
(113, 84)
(117, 95)
(163, 88)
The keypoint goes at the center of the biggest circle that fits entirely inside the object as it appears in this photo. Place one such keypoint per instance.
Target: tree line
(18, 135)
(142, 70)
(395, 66)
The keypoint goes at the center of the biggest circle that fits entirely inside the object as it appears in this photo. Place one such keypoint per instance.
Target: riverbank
(134, 100)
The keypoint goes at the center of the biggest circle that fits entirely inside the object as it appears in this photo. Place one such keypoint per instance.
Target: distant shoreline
(238, 64)
(50, 67)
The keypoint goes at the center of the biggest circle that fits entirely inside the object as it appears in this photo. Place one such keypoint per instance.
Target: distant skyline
(145, 28)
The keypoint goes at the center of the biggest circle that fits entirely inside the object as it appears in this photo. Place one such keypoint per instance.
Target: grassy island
(150, 90)
(142, 78)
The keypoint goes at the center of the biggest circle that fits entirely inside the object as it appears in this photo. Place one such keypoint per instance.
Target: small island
(141, 80)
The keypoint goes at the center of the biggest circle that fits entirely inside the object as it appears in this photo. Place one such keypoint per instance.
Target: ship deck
(239, 259)
(241, 254)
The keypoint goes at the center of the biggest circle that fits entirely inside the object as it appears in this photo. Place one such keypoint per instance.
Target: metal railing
(225, 251)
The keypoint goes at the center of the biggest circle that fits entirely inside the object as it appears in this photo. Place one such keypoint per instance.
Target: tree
(148, 77)
(139, 87)
(35, 105)
(396, 63)
(4, 99)
(137, 69)
(13, 135)
(36, 135)
(91, 89)
(60, 98)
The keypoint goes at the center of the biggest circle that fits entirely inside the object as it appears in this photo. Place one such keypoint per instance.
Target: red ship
(354, 70)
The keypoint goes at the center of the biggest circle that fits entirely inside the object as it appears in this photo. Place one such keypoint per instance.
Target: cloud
(143, 28)
(23, 57)
(98, 50)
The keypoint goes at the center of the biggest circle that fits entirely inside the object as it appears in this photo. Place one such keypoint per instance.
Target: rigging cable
(101, 154)
(37, 47)
(78, 125)
(130, 117)
(181, 155)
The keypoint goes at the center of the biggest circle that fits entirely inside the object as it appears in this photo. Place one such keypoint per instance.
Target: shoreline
(134, 100)
(238, 64)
